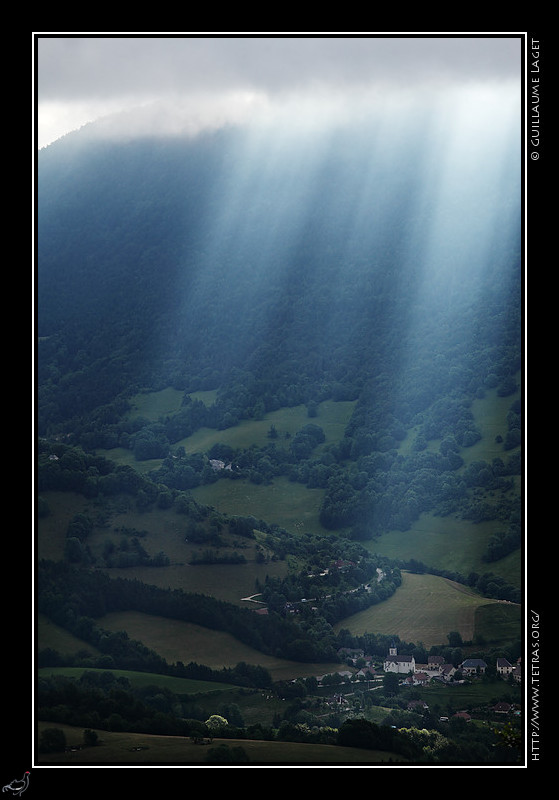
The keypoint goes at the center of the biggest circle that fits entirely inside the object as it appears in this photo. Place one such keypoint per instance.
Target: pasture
(142, 679)
(50, 635)
(450, 544)
(290, 505)
(175, 640)
(426, 609)
(332, 417)
(162, 530)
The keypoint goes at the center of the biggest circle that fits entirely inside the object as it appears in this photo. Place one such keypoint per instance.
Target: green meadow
(332, 417)
(290, 505)
(448, 543)
(175, 641)
(143, 679)
(165, 403)
(161, 530)
(451, 544)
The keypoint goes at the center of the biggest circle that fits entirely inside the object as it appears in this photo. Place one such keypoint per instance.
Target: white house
(504, 667)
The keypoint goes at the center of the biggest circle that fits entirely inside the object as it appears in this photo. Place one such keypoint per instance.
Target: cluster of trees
(99, 700)
(105, 702)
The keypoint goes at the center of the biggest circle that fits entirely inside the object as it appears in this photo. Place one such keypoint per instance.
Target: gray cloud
(87, 77)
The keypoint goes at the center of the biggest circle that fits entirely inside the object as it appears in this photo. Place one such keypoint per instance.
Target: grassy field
(179, 641)
(164, 530)
(426, 608)
(332, 418)
(450, 544)
(130, 749)
(183, 641)
(153, 405)
(142, 679)
(468, 696)
(447, 543)
(52, 636)
(290, 505)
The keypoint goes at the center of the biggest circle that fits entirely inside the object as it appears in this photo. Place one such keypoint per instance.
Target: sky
(145, 83)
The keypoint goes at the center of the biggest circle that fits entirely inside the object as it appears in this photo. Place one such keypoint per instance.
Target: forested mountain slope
(282, 269)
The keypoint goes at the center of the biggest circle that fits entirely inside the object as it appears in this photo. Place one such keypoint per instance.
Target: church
(395, 663)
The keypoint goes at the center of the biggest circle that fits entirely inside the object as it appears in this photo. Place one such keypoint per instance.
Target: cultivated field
(427, 608)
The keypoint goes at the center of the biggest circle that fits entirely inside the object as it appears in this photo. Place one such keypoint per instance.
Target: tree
(216, 722)
(391, 683)
(90, 738)
(53, 740)
(455, 639)
(358, 733)
(74, 550)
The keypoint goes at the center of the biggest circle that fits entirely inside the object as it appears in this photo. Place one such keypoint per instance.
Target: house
(417, 679)
(433, 670)
(504, 667)
(447, 671)
(367, 674)
(350, 654)
(417, 705)
(473, 666)
(343, 675)
(400, 664)
(462, 715)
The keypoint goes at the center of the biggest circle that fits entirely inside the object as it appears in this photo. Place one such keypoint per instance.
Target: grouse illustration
(17, 787)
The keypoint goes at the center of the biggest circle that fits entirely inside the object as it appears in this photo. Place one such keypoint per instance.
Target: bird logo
(17, 787)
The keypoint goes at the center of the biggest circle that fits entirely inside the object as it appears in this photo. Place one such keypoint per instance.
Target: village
(415, 674)
(412, 674)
